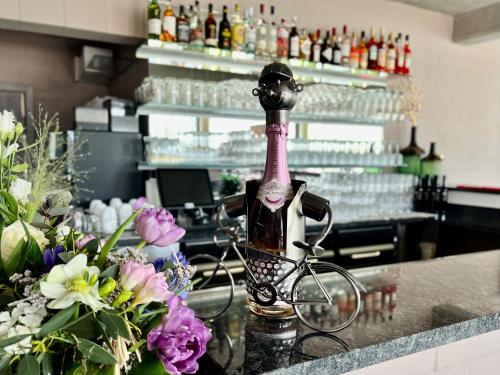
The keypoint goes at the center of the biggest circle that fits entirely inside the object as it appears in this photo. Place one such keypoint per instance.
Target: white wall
(461, 104)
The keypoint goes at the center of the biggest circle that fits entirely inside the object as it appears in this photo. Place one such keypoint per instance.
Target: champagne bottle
(267, 213)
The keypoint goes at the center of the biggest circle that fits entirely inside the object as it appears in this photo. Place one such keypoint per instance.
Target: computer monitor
(185, 188)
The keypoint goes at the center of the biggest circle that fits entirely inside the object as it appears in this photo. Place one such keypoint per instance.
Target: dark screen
(180, 186)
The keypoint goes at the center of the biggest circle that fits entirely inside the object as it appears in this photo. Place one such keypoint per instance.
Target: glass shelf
(146, 166)
(214, 59)
(189, 110)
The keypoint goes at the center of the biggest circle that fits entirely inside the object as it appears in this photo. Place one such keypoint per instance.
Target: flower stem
(140, 245)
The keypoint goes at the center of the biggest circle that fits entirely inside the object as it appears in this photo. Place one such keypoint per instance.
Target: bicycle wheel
(313, 307)
(214, 288)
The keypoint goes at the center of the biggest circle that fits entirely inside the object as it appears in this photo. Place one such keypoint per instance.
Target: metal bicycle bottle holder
(267, 293)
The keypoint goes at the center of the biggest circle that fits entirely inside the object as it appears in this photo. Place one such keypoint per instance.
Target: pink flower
(157, 227)
(142, 279)
(180, 340)
(139, 203)
(80, 244)
(134, 275)
(155, 289)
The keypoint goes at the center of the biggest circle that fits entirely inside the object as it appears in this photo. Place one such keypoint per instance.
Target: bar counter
(439, 301)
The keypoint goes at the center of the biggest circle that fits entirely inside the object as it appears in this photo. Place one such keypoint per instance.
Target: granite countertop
(409, 307)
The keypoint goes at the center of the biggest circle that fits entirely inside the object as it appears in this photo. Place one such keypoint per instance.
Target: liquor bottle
(363, 52)
(282, 42)
(183, 28)
(196, 26)
(250, 31)
(169, 24)
(272, 36)
(304, 46)
(407, 52)
(400, 55)
(317, 46)
(354, 52)
(294, 43)
(432, 164)
(210, 28)
(224, 31)
(411, 155)
(154, 20)
(390, 62)
(268, 204)
(237, 30)
(345, 47)
(372, 51)
(381, 52)
(337, 50)
(261, 46)
(327, 50)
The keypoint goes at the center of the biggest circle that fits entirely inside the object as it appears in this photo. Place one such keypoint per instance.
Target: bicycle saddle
(313, 250)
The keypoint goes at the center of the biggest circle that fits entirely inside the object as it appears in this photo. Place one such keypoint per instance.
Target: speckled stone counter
(409, 307)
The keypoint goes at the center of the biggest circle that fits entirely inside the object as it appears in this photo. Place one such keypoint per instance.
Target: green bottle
(412, 155)
(432, 164)
(154, 20)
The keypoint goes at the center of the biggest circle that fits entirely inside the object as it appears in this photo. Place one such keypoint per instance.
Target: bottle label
(363, 63)
(373, 53)
(400, 62)
(316, 53)
(197, 36)
(262, 40)
(226, 38)
(305, 48)
(354, 59)
(346, 50)
(381, 57)
(183, 33)
(238, 37)
(391, 59)
(272, 41)
(154, 26)
(337, 56)
(250, 38)
(274, 195)
(294, 46)
(282, 47)
(407, 60)
(169, 25)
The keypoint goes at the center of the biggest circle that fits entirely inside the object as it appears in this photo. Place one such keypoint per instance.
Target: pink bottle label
(276, 186)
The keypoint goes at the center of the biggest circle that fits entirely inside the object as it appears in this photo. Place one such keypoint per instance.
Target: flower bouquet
(71, 303)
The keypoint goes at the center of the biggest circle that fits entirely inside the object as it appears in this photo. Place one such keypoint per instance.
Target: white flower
(9, 150)
(20, 189)
(12, 234)
(23, 346)
(72, 282)
(7, 124)
(62, 231)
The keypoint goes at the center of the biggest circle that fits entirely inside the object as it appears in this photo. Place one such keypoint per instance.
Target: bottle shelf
(148, 166)
(189, 110)
(214, 59)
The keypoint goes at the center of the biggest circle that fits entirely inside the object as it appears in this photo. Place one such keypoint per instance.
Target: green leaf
(10, 203)
(28, 365)
(58, 211)
(57, 321)
(92, 246)
(111, 242)
(12, 340)
(66, 256)
(150, 364)
(34, 256)
(115, 325)
(86, 326)
(94, 352)
(16, 260)
(47, 368)
(5, 363)
(19, 168)
(6, 297)
(111, 271)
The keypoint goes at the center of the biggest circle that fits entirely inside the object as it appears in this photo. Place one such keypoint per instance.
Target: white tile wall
(479, 355)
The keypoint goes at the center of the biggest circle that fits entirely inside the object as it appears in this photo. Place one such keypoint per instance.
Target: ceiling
(452, 7)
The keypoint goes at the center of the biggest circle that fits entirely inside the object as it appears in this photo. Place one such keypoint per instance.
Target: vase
(412, 155)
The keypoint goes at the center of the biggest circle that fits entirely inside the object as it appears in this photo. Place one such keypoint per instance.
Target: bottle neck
(276, 160)
(413, 140)
(433, 149)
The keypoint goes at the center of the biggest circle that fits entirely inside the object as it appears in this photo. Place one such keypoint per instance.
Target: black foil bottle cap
(277, 89)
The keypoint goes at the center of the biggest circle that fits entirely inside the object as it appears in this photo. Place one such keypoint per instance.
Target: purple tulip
(157, 227)
(180, 340)
(51, 257)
